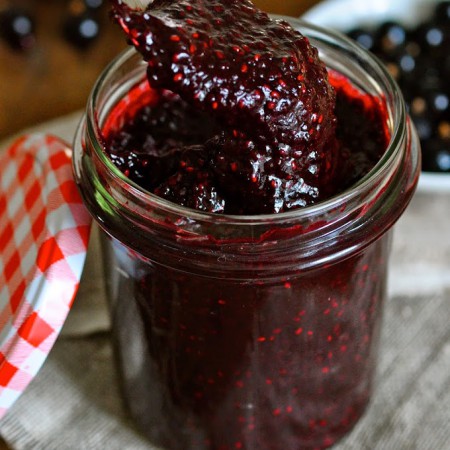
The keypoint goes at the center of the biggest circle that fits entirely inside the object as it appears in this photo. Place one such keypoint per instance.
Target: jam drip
(263, 84)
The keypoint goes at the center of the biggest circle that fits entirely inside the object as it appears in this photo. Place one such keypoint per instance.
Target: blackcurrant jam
(247, 331)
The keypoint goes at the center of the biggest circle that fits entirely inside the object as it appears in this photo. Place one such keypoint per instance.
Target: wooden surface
(55, 78)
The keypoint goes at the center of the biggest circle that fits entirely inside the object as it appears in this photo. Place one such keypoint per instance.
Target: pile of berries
(419, 60)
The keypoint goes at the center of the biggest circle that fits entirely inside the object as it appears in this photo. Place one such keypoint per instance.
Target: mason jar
(247, 332)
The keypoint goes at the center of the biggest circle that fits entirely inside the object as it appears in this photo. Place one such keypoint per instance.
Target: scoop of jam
(274, 145)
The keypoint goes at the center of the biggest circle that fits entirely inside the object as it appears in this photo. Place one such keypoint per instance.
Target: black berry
(81, 30)
(436, 155)
(17, 28)
(442, 13)
(363, 37)
(390, 38)
(93, 4)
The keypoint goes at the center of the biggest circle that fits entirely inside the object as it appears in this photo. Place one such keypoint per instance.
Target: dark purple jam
(216, 363)
(239, 116)
(244, 120)
(168, 147)
(263, 84)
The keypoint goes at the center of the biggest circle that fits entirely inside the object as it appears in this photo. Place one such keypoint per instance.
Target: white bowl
(343, 15)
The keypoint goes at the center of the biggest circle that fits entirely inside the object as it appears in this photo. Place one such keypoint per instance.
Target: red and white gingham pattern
(44, 231)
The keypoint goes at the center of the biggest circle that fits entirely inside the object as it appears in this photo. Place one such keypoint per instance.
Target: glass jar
(248, 332)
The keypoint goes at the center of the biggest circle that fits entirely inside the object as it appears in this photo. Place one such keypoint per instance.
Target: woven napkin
(74, 402)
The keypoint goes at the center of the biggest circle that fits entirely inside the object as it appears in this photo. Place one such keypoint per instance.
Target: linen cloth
(74, 402)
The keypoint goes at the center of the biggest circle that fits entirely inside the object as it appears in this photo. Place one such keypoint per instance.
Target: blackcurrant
(442, 13)
(433, 38)
(438, 103)
(93, 4)
(436, 155)
(424, 127)
(363, 37)
(426, 76)
(390, 38)
(81, 30)
(17, 28)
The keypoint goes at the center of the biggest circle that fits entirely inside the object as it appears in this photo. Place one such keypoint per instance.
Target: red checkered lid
(44, 231)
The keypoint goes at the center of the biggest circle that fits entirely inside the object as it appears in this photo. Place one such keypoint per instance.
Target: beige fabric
(74, 402)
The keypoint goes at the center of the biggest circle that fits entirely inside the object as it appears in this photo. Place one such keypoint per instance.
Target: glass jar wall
(248, 332)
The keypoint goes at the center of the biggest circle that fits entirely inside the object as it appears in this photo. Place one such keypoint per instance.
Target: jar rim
(396, 137)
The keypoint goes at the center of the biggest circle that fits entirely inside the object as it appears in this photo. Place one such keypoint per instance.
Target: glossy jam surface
(251, 126)
(264, 85)
(168, 147)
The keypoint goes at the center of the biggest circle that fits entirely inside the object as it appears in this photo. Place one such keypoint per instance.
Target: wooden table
(55, 78)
